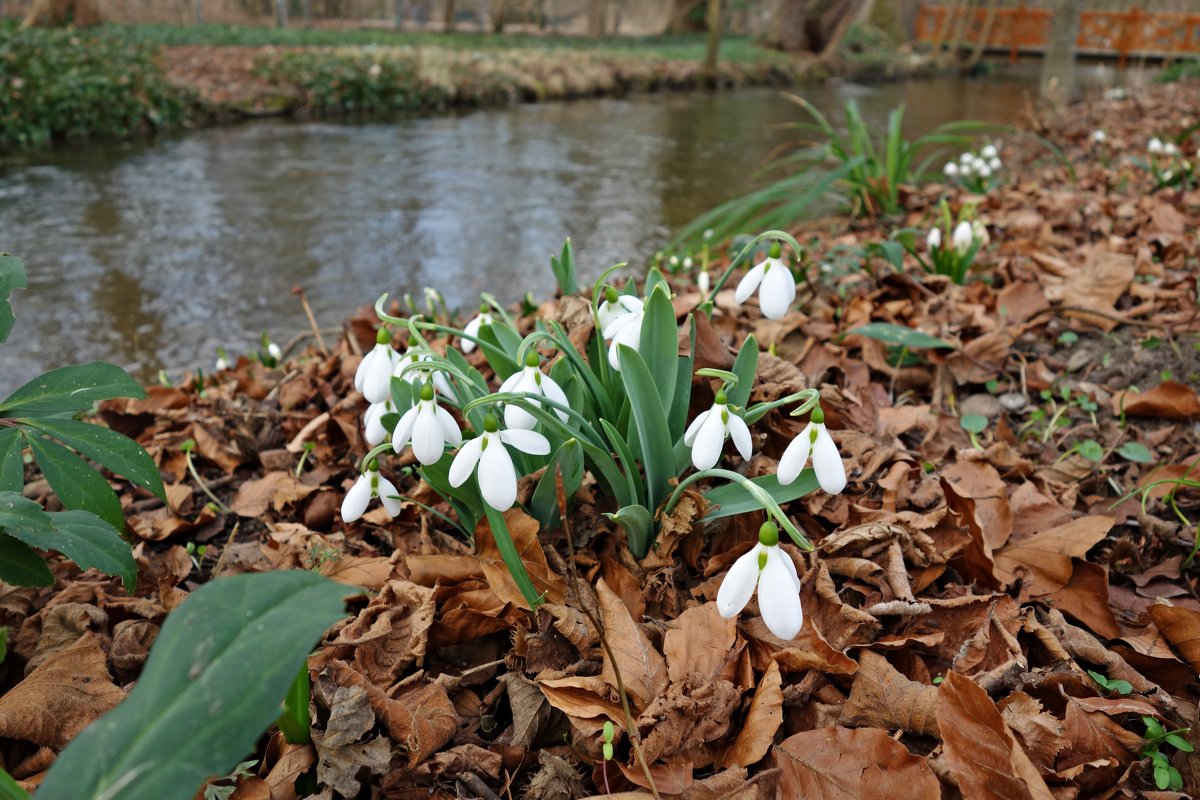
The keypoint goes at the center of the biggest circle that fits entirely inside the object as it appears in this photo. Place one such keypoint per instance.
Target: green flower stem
(747, 250)
(768, 503)
(533, 338)
(491, 301)
(373, 454)
(191, 467)
(808, 397)
(529, 401)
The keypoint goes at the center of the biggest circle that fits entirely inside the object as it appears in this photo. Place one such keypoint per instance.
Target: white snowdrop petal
(778, 291)
(791, 567)
(404, 428)
(363, 366)
(710, 439)
(689, 435)
(827, 463)
(450, 429)
(373, 430)
(389, 496)
(428, 443)
(511, 382)
(465, 461)
(355, 501)
(741, 436)
(554, 392)
(738, 586)
(530, 442)
(517, 417)
(497, 478)
(749, 282)
(778, 598)
(792, 462)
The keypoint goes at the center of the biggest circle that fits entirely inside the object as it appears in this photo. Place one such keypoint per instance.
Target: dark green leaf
(900, 335)
(658, 457)
(1091, 450)
(294, 721)
(973, 423)
(12, 466)
(67, 390)
(659, 344)
(637, 524)
(85, 539)
(730, 499)
(214, 681)
(745, 366)
(12, 276)
(544, 503)
(75, 482)
(1154, 729)
(118, 453)
(563, 268)
(20, 566)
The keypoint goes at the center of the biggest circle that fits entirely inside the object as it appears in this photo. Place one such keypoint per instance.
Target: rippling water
(150, 256)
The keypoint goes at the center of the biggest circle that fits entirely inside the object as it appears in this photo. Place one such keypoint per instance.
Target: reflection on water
(152, 256)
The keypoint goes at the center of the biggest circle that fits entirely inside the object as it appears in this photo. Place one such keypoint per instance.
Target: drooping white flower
(979, 231)
(963, 237)
(984, 170)
(625, 329)
(827, 463)
(1098, 136)
(770, 570)
(989, 151)
(1171, 149)
(274, 351)
(967, 157)
(951, 169)
(369, 485)
(774, 282)
(703, 282)
(429, 428)
(374, 375)
(709, 430)
(1154, 146)
(534, 381)
(406, 370)
(373, 430)
(708, 233)
(222, 359)
(995, 164)
(1167, 175)
(496, 474)
(687, 262)
(616, 306)
(472, 328)
(933, 239)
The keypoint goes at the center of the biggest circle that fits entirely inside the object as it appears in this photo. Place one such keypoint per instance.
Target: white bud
(951, 169)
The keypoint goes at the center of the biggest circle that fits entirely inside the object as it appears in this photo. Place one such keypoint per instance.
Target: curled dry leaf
(763, 719)
(1046, 557)
(643, 668)
(524, 531)
(852, 764)
(275, 490)
(881, 697)
(1168, 400)
(699, 641)
(1180, 627)
(391, 633)
(986, 760)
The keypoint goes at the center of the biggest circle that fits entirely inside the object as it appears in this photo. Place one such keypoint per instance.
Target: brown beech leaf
(985, 758)
(274, 490)
(1180, 627)
(1094, 735)
(1085, 597)
(583, 698)
(763, 719)
(524, 531)
(369, 573)
(1042, 734)
(881, 697)
(673, 776)
(1169, 400)
(65, 694)
(699, 640)
(852, 764)
(979, 481)
(391, 633)
(643, 669)
(292, 761)
(1105, 275)
(1046, 557)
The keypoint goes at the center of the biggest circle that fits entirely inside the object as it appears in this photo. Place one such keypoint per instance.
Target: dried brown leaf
(852, 764)
(643, 668)
(881, 697)
(524, 531)
(1046, 557)
(763, 719)
(699, 641)
(1180, 627)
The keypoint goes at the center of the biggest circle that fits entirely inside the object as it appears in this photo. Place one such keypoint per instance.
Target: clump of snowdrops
(977, 172)
(615, 406)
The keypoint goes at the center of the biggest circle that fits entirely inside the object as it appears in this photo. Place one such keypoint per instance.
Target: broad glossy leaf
(12, 276)
(730, 499)
(75, 482)
(650, 420)
(901, 335)
(20, 566)
(294, 721)
(70, 389)
(85, 539)
(214, 681)
(118, 453)
(12, 467)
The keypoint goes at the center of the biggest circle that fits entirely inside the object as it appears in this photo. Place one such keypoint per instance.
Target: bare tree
(598, 18)
(281, 13)
(1058, 66)
(711, 52)
(449, 15)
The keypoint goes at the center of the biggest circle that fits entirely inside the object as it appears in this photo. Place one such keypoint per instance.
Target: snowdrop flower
(966, 169)
(989, 151)
(778, 287)
(979, 231)
(616, 305)
(1098, 136)
(951, 169)
(416, 355)
(222, 359)
(984, 170)
(673, 261)
(496, 474)
(1170, 149)
(534, 381)
(770, 570)
(370, 484)
(1154, 146)
(273, 351)
(708, 233)
(374, 375)
(624, 329)
(708, 432)
(373, 430)
(963, 238)
(687, 263)
(967, 158)
(814, 439)
(703, 282)
(995, 164)
(1167, 176)
(472, 328)
(428, 426)
(934, 239)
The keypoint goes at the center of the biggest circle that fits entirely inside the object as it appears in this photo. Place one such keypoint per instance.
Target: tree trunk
(199, 12)
(815, 26)
(399, 12)
(1058, 66)
(307, 10)
(499, 14)
(681, 10)
(448, 19)
(598, 18)
(711, 53)
(281, 13)
(988, 23)
(62, 12)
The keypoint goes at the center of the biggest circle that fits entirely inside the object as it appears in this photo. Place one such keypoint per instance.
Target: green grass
(677, 48)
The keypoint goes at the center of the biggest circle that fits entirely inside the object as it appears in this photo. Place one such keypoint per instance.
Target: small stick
(312, 321)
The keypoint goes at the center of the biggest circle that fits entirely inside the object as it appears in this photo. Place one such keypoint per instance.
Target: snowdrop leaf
(650, 420)
(112, 450)
(563, 267)
(77, 485)
(85, 539)
(684, 366)
(12, 469)
(10, 789)
(500, 344)
(745, 367)
(659, 345)
(512, 558)
(464, 499)
(214, 680)
(637, 522)
(628, 461)
(901, 335)
(730, 499)
(69, 389)
(12, 276)
(544, 503)
(20, 566)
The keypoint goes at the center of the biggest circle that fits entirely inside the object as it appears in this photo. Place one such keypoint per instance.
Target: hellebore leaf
(67, 390)
(900, 335)
(12, 468)
(85, 539)
(12, 276)
(75, 482)
(118, 453)
(20, 566)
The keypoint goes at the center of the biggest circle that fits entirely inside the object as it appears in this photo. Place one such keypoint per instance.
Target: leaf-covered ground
(959, 596)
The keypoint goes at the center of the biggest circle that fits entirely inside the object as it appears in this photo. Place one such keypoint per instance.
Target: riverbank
(120, 81)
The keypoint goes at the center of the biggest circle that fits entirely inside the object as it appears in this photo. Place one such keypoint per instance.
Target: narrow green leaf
(563, 268)
(75, 482)
(499, 344)
(731, 499)
(512, 559)
(20, 566)
(12, 466)
(659, 343)
(118, 453)
(544, 504)
(294, 721)
(745, 366)
(12, 276)
(651, 423)
(637, 523)
(69, 389)
(9, 789)
(85, 539)
(215, 679)
(900, 335)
